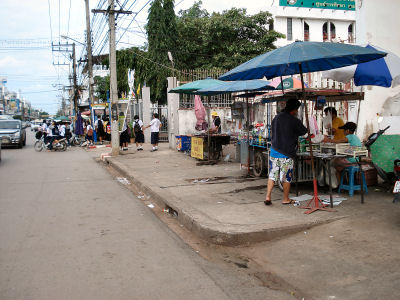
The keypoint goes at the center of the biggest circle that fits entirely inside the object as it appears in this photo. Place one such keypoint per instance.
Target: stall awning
(331, 95)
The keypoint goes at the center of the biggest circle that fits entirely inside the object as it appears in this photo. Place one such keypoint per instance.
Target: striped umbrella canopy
(383, 72)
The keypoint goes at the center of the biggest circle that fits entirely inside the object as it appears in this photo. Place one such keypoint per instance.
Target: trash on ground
(123, 180)
(150, 205)
(166, 210)
(220, 202)
(140, 197)
(201, 180)
(227, 157)
(302, 198)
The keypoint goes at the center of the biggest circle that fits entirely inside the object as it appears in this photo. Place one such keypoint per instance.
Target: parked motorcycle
(75, 140)
(40, 144)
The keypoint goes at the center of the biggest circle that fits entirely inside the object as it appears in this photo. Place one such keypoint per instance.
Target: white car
(35, 125)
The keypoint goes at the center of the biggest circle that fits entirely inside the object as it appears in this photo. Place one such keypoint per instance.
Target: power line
(59, 19)
(51, 28)
(37, 92)
(69, 17)
(136, 14)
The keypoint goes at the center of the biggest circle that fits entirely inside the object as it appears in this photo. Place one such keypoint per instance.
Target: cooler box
(183, 142)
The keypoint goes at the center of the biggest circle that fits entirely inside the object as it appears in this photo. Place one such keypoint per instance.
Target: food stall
(254, 148)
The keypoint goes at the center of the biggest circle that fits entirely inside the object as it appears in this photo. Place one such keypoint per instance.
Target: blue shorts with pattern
(281, 168)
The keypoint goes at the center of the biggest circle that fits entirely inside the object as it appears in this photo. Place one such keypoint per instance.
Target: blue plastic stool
(351, 187)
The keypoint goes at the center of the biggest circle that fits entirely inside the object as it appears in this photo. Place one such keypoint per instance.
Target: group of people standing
(103, 132)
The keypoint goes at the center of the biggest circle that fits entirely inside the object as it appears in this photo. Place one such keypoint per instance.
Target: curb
(207, 229)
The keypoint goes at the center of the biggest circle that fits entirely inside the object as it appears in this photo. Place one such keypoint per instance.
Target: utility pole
(113, 74)
(113, 82)
(74, 80)
(89, 52)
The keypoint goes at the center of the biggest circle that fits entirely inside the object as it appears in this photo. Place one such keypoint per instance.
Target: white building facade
(310, 20)
(377, 24)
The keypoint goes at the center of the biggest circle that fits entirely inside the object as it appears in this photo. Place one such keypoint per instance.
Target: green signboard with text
(327, 4)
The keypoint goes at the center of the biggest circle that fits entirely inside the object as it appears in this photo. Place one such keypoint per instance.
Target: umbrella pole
(248, 134)
(209, 126)
(282, 86)
(315, 203)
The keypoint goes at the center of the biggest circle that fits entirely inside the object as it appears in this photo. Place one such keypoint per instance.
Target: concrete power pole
(113, 81)
(89, 51)
(75, 88)
(113, 73)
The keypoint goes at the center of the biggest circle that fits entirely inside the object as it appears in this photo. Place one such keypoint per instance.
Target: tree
(102, 85)
(196, 39)
(161, 35)
(222, 40)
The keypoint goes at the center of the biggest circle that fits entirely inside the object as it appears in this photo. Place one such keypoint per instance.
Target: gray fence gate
(162, 111)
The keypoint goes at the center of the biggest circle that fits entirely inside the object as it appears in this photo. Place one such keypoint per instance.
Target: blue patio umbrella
(237, 86)
(302, 57)
(298, 58)
(383, 72)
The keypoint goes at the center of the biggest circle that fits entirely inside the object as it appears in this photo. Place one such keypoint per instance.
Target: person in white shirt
(50, 136)
(138, 130)
(43, 128)
(155, 126)
(89, 133)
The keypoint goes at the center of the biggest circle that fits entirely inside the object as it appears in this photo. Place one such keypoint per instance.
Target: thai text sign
(197, 148)
(327, 4)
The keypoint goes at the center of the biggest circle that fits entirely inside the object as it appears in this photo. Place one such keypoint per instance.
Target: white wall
(187, 120)
(377, 23)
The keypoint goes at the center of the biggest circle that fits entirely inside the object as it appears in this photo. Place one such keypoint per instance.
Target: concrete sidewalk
(218, 203)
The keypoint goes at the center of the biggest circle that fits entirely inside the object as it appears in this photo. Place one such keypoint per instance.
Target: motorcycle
(75, 140)
(40, 144)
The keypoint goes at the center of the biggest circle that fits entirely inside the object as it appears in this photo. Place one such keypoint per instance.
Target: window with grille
(289, 35)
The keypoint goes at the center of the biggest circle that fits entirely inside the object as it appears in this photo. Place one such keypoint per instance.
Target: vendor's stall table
(199, 145)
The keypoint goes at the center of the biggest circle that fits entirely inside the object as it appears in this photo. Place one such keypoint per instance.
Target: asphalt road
(68, 230)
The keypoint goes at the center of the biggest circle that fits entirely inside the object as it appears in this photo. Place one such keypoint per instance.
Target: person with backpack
(98, 125)
(138, 130)
(89, 133)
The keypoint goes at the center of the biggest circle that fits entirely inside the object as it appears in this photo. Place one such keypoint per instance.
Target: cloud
(8, 61)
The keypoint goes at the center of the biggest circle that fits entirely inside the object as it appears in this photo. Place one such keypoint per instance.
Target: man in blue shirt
(285, 130)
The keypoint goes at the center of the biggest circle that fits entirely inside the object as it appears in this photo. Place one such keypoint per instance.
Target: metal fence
(137, 109)
(187, 101)
(162, 111)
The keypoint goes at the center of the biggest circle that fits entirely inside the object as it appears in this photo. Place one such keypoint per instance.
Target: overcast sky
(27, 27)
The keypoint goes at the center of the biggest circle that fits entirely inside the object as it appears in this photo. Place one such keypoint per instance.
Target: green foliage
(102, 85)
(197, 40)
(222, 40)
(43, 114)
(161, 35)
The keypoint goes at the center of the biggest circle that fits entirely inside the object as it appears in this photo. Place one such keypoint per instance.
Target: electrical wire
(69, 17)
(134, 17)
